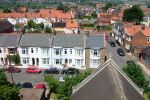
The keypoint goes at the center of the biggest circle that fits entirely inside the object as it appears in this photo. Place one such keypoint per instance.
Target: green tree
(52, 83)
(98, 27)
(94, 14)
(134, 14)
(107, 6)
(14, 58)
(41, 25)
(48, 30)
(7, 90)
(3, 79)
(7, 10)
(31, 24)
(62, 7)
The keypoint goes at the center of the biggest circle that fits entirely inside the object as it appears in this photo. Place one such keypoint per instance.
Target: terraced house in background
(45, 50)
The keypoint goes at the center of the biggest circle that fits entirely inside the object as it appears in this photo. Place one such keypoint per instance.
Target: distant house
(108, 83)
(72, 27)
(6, 26)
(8, 46)
(59, 26)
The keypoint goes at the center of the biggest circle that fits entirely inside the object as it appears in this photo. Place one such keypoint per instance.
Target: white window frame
(71, 51)
(45, 61)
(95, 52)
(32, 51)
(57, 61)
(57, 52)
(95, 62)
(45, 51)
(79, 52)
(148, 39)
(79, 62)
(24, 51)
(25, 60)
(65, 51)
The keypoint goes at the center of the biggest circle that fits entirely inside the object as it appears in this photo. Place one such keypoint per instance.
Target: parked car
(52, 70)
(120, 52)
(40, 86)
(33, 69)
(27, 85)
(130, 62)
(61, 79)
(12, 69)
(112, 44)
(70, 71)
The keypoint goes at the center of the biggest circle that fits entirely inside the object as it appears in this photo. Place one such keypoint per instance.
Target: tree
(31, 24)
(62, 7)
(14, 58)
(134, 14)
(48, 30)
(98, 27)
(94, 14)
(41, 25)
(7, 10)
(52, 83)
(7, 90)
(3, 79)
(107, 6)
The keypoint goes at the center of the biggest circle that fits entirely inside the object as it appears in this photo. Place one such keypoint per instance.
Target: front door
(33, 61)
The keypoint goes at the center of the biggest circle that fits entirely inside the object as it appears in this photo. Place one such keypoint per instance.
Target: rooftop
(108, 83)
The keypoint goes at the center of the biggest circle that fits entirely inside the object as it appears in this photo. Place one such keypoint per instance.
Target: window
(148, 39)
(44, 51)
(65, 51)
(25, 60)
(31, 50)
(95, 62)
(79, 62)
(70, 61)
(11, 51)
(57, 61)
(95, 52)
(70, 51)
(24, 51)
(57, 51)
(0, 50)
(79, 52)
(37, 50)
(4, 50)
(45, 61)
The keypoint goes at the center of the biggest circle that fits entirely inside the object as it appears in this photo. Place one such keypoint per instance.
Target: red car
(33, 69)
(12, 69)
(40, 86)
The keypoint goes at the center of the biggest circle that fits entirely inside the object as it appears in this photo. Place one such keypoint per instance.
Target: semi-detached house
(64, 50)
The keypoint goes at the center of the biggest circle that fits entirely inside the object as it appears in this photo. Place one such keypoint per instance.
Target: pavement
(121, 60)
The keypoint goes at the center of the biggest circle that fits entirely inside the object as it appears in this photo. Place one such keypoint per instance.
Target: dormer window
(148, 39)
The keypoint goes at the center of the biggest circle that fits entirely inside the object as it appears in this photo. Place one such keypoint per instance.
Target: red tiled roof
(132, 30)
(71, 24)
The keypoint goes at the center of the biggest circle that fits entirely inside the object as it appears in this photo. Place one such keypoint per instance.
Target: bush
(134, 72)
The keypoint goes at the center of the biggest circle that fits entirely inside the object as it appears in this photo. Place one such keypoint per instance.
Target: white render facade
(65, 50)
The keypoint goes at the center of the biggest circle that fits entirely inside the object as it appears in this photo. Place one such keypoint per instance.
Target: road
(120, 60)
(25, 77)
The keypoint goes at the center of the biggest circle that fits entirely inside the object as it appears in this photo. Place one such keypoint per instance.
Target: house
(107, 83)
(118, 32)
(59, 26)
(78, 50)
(6, 26)
(8, 46)
(143, 42)
(130, 31)
(35, 49)
(61, 50)
(72, 27)
(146, 20)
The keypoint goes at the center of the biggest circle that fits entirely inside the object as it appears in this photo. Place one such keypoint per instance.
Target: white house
(34, 49)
